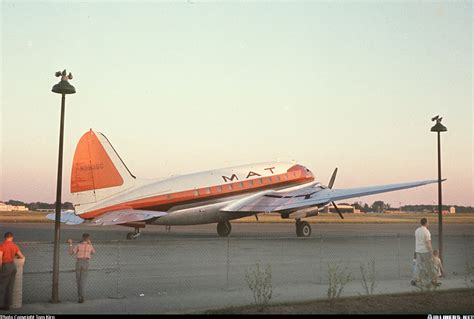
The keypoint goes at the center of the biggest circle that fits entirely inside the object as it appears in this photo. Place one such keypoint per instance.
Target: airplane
(105, 192)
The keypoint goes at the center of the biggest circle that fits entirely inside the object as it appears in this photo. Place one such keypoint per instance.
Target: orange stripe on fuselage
(295, 176)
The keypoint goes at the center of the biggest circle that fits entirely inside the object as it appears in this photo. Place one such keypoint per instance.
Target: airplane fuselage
(197, 198)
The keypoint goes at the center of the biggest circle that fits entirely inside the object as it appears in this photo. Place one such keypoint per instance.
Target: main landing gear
(303, 229)
(133, 235)
(224, 228)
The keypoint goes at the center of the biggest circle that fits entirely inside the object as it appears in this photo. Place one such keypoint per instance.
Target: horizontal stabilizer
(124, 216)
(68, 217)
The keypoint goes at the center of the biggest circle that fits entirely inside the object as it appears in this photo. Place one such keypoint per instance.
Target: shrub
(338, 278)
(260, 283)
(369, 277)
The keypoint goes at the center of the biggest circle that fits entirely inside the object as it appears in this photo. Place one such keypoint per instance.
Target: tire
(131, 236)
(298, 229)
(224, 229)
(303, 229)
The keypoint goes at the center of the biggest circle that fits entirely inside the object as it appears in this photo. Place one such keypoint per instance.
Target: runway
(194, 260)
(45, 232)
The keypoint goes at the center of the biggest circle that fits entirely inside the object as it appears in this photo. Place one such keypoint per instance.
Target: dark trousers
(7, 281)
(82, 266)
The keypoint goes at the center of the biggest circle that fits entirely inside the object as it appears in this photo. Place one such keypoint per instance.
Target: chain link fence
(120, 269)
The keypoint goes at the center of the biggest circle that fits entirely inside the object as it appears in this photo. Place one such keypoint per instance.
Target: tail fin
(98, 172)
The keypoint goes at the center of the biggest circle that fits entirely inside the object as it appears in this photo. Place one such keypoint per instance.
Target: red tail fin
(92, 167)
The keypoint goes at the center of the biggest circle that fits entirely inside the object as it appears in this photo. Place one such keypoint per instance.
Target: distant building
(452, 210)
(392, 211)
(11, 208)
(344, 208)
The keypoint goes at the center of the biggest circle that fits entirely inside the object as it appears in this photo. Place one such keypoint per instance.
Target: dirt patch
(459, 301)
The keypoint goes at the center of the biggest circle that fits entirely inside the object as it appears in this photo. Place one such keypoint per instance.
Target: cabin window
(241, 185)
(196, 193)
(229, 187)
(269, 180)
(168, 196)
(277, 178)
(260, 181)
(207, 190)
(219, 189)
(251, 183)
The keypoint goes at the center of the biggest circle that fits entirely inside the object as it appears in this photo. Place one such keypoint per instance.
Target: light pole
(438, 127)
(63, 88)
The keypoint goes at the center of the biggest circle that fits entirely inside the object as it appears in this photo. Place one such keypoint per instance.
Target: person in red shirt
(8, 251)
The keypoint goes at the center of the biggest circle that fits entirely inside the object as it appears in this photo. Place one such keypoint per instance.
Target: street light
(63, 88)
(438, 127)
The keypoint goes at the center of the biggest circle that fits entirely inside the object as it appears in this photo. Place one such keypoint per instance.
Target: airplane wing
(117, 217)
(309, 196)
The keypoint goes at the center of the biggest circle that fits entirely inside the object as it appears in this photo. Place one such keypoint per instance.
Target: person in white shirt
(424, 255)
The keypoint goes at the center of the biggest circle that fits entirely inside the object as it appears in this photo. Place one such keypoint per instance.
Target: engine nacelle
(207, 214)
(305, 212)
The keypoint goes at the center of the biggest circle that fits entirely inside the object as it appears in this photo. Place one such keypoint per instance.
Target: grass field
(397, 218)
(24, 217)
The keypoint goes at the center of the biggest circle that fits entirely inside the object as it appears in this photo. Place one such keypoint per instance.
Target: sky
(188, 86)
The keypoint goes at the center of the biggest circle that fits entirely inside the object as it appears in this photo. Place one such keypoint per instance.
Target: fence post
(227, 265)
(398, 257)
(465, 248)
(321, 258)
(17, 299)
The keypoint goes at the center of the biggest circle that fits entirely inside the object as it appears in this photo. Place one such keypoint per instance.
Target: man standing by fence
(82, 252)
(8, 251)
(424, 256)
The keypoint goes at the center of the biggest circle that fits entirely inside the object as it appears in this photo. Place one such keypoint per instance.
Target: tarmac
(187, 303)
(192, 270)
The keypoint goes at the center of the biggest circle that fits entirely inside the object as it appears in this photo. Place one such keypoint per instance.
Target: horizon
(187, 87)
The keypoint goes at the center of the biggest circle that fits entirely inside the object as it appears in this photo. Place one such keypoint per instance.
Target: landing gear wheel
(133, 235)
(298, 228)
(303, 229)
(224, 228)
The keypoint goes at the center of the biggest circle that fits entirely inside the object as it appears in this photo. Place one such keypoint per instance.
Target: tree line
(379, 207)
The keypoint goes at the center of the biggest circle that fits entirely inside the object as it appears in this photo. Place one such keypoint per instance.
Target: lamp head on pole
(438, 127)
(63, 87)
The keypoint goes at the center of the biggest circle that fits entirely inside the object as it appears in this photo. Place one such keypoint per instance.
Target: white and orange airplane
(105, 192)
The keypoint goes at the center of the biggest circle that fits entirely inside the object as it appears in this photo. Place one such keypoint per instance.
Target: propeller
(337, 210)
(330, 185)
(333, 178)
